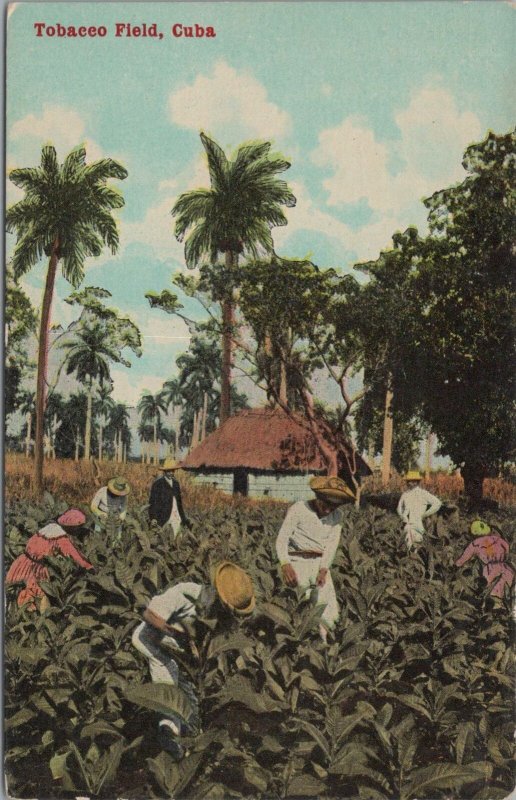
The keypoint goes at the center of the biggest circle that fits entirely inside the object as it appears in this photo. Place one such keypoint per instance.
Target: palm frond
(104, 169)
(217, 163)
(49, 163)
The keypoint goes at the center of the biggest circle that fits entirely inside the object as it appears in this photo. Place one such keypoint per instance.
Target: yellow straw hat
(332, 489)
(118, 486)
(480, 528)
(234, 587)
(170, 464)
(413, 475)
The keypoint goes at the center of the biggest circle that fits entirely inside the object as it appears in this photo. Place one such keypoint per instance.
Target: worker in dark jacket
(165, 505)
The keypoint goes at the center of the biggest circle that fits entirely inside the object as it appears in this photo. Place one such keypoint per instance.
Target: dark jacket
(162, 496)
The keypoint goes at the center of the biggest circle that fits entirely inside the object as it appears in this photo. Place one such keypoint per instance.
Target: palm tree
(145, 433)
(89, 354)
(27, 406)
(234, 216)
(104, 405)
(172, 394)
(119, 428)
(53, 419)
(150, 406)
(65, 215)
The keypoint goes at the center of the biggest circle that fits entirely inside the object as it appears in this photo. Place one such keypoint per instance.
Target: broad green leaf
(98, 728)
(222, 644)
(277, 614)
(171, 776)
(57, 765)
(239, 690)
(441, 776)
(160, 697)
(465, 735)
(20, 718)
(316, 735)
(305, 785)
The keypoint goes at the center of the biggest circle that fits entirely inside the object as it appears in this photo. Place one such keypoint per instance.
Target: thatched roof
(262, 439)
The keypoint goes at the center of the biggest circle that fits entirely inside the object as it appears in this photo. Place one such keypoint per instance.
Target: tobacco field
(412, 698)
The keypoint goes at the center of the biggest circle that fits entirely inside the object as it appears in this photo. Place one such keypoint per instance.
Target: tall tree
(89, 355)
(150, 406)
(20, 322)
(66, 216)
(387, 321)
(104, 405)
(27, 406)
(465, 348)
(118, 430)
(234, 216)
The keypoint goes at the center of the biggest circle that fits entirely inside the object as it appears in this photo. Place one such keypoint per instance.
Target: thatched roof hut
(264, 451)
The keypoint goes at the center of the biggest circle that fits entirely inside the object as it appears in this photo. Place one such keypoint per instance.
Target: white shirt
(101, 504)
(302, 529)
(176, 603)
(415, 504)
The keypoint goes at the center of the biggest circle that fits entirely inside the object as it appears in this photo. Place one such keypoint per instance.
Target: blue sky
(373, 103)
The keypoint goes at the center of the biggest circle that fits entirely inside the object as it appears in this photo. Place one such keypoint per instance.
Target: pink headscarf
(72, 518)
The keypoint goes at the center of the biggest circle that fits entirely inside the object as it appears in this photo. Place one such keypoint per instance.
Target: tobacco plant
(411, 698)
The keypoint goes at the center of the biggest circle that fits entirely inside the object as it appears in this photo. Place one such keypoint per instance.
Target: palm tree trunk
(42, 368)
(29, 432)
(101, 431)
(77, 444)
(283, 395)
(155, 442)
(371, 454)
(387, 435)
(87, 431)
(228, 320)
(428, 455)
(204, 416)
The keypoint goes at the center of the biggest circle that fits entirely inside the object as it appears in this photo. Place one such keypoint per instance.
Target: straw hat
(118, 486)
(234, 587)
(332, 489)
(72, 518)
(480, 528)
(413, 475)
(170, 464)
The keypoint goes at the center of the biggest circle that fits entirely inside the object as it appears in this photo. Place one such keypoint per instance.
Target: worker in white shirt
(414, 506)
(163, 626)
(307, 543)
(111, 501)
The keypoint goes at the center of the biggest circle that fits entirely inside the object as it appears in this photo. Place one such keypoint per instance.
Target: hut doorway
(240, 481)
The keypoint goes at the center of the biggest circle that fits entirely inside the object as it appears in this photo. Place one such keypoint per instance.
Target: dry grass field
(77, 481)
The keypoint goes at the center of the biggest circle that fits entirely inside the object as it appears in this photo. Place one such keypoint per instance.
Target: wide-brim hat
(480, 528)
(413, 475)
(331, 488)
(170, 464)
(72, 518)
(118, 486)
(234, 587)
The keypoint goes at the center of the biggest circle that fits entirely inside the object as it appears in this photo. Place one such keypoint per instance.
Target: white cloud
(366, 242)
(64, 127)
(127, 389)
(226, 102)
(156, 230)
(433, 136)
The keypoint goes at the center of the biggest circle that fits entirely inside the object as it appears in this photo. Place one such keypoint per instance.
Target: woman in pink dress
(30, 568)
(492, 551)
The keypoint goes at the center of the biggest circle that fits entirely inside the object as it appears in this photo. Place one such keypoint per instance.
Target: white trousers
(163, 669)
(307, 570)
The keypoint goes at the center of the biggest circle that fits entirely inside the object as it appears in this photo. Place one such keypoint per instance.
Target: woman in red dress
(30, 568)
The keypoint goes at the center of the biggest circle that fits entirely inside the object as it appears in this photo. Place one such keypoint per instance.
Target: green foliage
(412, 697)
(69, 204)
